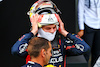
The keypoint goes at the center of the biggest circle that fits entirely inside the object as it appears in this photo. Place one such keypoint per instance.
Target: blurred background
(15, 22)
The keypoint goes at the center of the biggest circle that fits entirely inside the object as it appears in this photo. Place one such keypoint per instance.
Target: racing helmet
(43, 7)
(47, 19)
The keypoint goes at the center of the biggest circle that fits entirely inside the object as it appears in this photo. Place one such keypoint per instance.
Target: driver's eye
(48, 28)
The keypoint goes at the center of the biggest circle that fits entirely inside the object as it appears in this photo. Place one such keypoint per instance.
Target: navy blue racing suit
(31, 64)
(71, 45)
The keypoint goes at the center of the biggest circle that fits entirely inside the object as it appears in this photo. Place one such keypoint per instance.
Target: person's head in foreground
(39, 50)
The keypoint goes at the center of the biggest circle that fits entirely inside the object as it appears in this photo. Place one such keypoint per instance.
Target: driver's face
(49, 28)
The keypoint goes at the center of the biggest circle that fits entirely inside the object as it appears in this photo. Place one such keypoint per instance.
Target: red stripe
(21, 38)
(65, 61)
(78, 37)
(57, 17)
(28, 58)
(73, 46)
(68, 47)
(60, 41)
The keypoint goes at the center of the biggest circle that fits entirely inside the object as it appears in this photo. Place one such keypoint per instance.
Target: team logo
(23, 47)
(56, 56)
(50, 19)
(80, 47)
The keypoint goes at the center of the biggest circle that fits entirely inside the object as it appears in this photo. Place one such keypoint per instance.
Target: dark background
(14, 22)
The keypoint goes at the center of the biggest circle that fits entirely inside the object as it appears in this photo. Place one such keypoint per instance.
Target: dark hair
(35, 46)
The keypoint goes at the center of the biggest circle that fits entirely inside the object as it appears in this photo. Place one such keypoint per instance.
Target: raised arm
(19, 48)
(74, 44)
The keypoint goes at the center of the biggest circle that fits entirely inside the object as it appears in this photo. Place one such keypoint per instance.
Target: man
(89, 25)
(39, 50)
(45, 22)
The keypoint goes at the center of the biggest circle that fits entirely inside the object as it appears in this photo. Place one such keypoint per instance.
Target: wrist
(81, 30)
(34, 32)
(64, 33)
